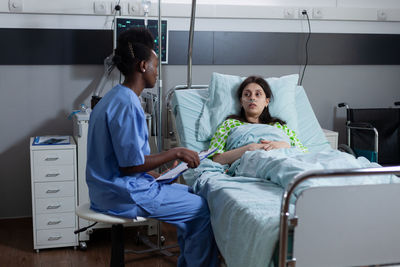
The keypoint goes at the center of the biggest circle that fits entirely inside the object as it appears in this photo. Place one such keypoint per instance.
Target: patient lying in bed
(242, 141)
(254, 95)
(244, 193)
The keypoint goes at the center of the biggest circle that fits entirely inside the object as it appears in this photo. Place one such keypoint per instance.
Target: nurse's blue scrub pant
(189, 213)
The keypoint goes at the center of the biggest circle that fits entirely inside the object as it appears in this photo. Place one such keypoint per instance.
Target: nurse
(119, 163)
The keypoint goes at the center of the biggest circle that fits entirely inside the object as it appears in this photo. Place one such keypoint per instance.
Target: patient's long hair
(265, 116)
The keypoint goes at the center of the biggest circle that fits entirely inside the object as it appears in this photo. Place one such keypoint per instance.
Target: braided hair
(265, 117)
(133, 46)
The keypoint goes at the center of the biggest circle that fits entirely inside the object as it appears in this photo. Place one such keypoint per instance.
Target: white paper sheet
(178, 170)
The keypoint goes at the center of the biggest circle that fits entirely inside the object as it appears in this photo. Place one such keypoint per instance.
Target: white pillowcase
(222, 102)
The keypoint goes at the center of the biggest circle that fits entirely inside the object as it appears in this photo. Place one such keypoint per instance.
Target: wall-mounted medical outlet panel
(134, 8)
(101, 7)
(317, 13)
(382, 15)
(124, 8)
(15, 5)
(289, 13)
(307, 9)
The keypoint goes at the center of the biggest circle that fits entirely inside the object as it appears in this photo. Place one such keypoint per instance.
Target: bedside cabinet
(54, 187)
(332, 138)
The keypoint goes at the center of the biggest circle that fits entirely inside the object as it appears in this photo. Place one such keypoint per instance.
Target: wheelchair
(373, 133)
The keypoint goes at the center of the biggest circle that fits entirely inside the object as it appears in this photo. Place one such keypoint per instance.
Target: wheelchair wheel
(347, 149)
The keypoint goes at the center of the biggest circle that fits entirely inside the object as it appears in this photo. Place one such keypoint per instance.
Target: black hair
(133, 46)
(265, 116)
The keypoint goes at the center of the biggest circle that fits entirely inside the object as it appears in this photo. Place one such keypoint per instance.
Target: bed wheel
(138, 239)
(82, 246)
(347, 149)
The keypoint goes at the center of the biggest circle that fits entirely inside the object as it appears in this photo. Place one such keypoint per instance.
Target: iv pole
(159, 93)
(190, 46)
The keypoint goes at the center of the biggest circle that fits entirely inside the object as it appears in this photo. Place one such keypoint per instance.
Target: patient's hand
(269, 145)
(255, 146)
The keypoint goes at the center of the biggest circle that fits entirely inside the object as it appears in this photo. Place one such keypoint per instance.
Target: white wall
(372, 10)
(36, 100)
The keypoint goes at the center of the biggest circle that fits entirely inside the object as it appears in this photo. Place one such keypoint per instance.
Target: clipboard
(174, 173)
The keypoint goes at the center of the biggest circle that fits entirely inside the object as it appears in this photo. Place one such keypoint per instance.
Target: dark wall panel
(69, 46)
(54, 46)
(261, 48)
(202, 48)
(252, 48)
(354, 49)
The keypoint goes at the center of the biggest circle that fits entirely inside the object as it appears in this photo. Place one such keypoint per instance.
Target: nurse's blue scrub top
(118, 137)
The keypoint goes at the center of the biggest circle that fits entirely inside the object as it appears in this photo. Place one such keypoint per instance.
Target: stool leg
(117, 246)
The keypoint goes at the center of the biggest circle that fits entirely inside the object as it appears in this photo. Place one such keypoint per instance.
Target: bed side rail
(182, 87)
(284, 217)
(171, 122)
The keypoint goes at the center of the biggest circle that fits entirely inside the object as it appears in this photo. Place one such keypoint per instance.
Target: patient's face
(253, 99)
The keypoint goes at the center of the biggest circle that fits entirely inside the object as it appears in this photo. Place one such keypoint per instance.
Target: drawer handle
(52, 191)
(53, 222)
(54, 238)
(51, 159)
(52, 174)
(53, 207)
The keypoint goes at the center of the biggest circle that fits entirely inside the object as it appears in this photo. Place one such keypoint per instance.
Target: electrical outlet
(134, 8)
(289, 13)
(382, 15)
(153, 9)
(317, 13)
(123, 5)
(100, 7)
(15, 5)
(308, 10)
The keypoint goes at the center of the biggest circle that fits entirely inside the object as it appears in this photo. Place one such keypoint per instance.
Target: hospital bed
(258, 223)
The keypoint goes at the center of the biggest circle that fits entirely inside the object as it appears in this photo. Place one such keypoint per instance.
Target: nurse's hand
(189, 156)
(154, 174)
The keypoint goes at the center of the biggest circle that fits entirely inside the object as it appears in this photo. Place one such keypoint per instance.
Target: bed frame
(358, 228)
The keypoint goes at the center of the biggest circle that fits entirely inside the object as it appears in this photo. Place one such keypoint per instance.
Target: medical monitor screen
(123, 23)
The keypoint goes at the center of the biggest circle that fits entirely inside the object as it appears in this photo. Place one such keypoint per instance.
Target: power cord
(304, 13)
(117, 9)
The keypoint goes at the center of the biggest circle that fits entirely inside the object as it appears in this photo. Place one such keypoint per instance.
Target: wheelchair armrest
(363, 125)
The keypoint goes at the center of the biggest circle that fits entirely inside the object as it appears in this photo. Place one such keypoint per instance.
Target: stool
(117, 236)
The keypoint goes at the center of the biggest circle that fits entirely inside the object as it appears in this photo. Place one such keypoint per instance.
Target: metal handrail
(376, 137)
(182, 87)
(283, 234)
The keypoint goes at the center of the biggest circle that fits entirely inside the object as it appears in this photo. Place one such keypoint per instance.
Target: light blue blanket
(245, 205)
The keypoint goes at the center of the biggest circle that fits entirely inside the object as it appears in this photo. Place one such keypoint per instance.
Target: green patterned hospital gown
(221, 135)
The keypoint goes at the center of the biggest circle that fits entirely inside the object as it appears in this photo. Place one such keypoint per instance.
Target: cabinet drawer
(55, 205)
(54, 189)
(54, 173)
(55, 220)
(55, 236)
(53, 157)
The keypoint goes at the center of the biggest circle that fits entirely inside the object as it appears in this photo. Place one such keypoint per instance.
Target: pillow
(222, 102)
